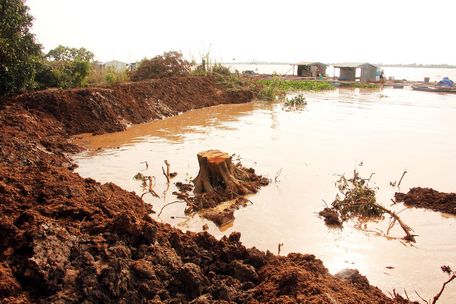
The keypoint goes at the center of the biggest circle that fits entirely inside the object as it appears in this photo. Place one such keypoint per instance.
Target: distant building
(368, 72)
(115, 64)
(133, 66)
(311, 69)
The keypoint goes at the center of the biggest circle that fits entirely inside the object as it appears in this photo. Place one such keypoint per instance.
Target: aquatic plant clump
(274, 87)
(298, 100)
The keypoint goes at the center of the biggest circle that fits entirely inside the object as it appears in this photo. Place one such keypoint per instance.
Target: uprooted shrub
(357, 200)
(166, 65)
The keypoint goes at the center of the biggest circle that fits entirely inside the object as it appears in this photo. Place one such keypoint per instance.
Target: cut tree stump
(218, 181)
(218, 174)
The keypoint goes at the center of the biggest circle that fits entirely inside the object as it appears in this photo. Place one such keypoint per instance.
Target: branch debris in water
(357, 200)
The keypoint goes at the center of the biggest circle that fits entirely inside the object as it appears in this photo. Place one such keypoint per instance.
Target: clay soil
(428, 198)
(66, 239)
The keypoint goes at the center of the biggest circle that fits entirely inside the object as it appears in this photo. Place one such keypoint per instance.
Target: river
(374, 131)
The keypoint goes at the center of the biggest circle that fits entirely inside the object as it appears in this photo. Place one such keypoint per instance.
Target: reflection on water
(384, 132)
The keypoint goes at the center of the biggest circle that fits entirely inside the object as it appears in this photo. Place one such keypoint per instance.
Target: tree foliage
(64, 67)
(19, 52)
(166, 65)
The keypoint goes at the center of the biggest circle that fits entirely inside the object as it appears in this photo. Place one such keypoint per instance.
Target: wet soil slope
(67, 239)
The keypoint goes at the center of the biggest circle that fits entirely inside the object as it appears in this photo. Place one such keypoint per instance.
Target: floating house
(368, 72)
(311, 69)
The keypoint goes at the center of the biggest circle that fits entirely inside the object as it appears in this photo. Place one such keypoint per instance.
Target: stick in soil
(145, 162)
(399, 183)
(166, 174)
(277, 175)
(151, 190)
(279, 247)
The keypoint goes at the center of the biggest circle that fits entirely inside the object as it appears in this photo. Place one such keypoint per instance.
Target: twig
(277, 175)
(405, 291)
(408, 231)
(368, 180)
(151, 185)
(279, 247)
(175, 202)
(166, 174)
(425, 301)
(437, 296)
(399, 183)
(145, 162)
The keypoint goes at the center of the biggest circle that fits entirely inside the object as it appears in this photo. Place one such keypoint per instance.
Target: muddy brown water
(385, 132)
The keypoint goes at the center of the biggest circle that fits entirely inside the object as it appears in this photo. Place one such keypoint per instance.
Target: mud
(428, 198)
(67, 239)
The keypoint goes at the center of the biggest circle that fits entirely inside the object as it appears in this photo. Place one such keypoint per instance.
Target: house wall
(348, 74)
(306, 70)
(368, 73)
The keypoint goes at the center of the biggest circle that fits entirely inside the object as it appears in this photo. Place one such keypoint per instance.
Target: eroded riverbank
(384, 132)
(66, 238)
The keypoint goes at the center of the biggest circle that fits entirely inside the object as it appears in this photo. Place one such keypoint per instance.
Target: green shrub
(114, 76)
(19, 53)
(64, 67)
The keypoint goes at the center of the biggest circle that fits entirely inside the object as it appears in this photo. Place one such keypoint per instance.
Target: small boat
(435, 89)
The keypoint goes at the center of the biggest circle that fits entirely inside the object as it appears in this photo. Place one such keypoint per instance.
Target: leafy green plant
(362, 85)
(275, 87)
(64, 67)
(298, 100)
(19, 53)
(113, 76)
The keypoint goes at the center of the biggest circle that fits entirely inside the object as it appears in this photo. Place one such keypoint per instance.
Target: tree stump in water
(218, 174)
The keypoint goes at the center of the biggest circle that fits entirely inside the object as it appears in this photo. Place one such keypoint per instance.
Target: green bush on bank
(64, 67)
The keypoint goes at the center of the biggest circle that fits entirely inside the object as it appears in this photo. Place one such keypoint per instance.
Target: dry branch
(448, 270)
(166, 174)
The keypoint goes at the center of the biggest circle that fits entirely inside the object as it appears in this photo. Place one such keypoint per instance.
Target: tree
(169, 64)
(19, 52)
(67, 54)
(65, 67)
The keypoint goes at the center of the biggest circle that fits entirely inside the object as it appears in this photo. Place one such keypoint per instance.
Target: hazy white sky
(388, 31)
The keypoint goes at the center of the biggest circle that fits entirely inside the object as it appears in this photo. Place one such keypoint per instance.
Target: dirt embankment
(68, 239)
(110, 109)
(428, 198)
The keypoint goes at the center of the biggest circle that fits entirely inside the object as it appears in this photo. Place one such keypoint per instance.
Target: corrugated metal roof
(352, 65)
(309, 63)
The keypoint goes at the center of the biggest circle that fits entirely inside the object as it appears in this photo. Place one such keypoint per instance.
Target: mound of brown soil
(428, 198)
(109, 109)
(67, 239)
